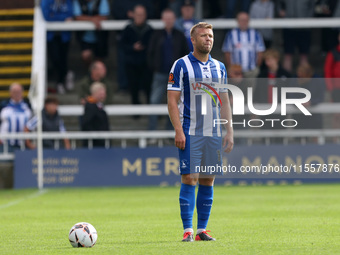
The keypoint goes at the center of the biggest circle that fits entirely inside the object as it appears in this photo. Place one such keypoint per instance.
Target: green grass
(245, 220)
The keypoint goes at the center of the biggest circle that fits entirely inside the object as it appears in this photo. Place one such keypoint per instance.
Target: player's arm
(173, 98)
(228, 140)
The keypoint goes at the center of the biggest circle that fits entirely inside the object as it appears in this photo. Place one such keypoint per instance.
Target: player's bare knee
(206, 181)
(190, 179)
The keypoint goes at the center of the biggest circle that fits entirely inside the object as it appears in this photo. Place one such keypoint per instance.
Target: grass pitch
(245, 220)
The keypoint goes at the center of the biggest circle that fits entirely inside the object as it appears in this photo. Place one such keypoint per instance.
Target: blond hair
(96, 86)
(200, 25)
(272, 53)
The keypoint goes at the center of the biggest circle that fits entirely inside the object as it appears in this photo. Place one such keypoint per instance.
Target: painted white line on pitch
(18, 201)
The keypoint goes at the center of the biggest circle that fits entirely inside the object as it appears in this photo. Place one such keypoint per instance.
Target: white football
(83, 234)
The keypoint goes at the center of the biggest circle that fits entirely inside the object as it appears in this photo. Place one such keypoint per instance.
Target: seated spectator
(15, 112)
(95, 117)
(93, 43)
(306, 78)
(135, 40)
(244, 46)
(51, 122)
(272, 76)
(263, 9)
(58, 42)
(187, 21)
(97, 73)
(293, 38)
(166, 46)
(332, 75)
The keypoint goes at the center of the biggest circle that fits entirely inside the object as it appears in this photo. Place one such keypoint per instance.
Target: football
(83, 234)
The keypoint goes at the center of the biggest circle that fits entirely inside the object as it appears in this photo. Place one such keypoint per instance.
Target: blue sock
(204, 202)
(187, 204)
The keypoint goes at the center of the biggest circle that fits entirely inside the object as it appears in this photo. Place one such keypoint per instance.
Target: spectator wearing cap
(51, 122)
(135, 41)
(95, 117)
(166, 46)
(244, 46)
(58, 42)
(296, 38)
(263, 9)
(187, 20)
(94, 44)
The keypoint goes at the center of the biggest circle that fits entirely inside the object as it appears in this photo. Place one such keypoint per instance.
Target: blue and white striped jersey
(243, 46)
(199, 102)
(14, 117)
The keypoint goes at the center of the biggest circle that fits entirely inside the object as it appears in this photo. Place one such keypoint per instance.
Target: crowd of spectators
(145, 56)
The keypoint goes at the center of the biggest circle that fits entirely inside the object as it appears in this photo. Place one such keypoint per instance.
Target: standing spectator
(58, 42)
(14, 115)
(332, 72)
(244, 46)
(135, 40)
(293, 38)
(326, 9)
(187, 21)
(263, 9)
(93, 43)
(51, 122)
(122, 10)
(97, 73)
(230, 7)
(332, 75)
(95, 117)
(166, 46)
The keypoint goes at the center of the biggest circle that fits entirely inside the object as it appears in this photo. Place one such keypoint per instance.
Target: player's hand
(228, 142)
(180, 140)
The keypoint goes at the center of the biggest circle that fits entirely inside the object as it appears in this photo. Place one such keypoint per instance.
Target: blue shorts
(201, 154)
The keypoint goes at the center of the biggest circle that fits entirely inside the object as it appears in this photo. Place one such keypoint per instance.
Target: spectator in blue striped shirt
(15, 113)
(244, 46)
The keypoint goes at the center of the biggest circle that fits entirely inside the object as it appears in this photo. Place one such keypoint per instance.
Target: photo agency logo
(212, 89)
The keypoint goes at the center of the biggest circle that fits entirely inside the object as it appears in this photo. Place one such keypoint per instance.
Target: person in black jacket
(135, 40)
(95, 117)
(166, 46)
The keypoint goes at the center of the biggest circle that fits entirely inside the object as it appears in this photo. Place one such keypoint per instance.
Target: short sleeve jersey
(200, 85)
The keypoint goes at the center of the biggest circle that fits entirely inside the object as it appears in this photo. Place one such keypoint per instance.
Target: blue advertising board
(159, 166)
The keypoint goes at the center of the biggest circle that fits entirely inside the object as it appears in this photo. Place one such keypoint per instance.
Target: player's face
(203, 40)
